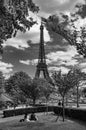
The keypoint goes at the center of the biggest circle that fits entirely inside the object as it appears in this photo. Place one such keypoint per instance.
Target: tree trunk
(63, 108)
(46, 107)
(77, 96)
(66, 100)
(34, 102)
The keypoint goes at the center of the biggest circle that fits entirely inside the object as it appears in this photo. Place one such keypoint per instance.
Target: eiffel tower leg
(46, 74)
(37, 73)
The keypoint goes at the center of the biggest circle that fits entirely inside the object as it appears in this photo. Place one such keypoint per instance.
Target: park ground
(45, 122)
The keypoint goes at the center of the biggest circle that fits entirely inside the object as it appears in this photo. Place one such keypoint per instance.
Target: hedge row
(75, 113)
(21, 111)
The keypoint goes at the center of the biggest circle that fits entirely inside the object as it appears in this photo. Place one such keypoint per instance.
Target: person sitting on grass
(32, 117)
(25, 118)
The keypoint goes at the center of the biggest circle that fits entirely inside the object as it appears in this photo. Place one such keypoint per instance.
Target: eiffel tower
(42, 66)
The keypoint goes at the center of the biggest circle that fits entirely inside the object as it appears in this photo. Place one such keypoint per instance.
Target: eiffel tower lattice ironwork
(42, 66)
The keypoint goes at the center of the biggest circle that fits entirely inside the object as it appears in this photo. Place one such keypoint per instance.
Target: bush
(15, 112)
(75, 113)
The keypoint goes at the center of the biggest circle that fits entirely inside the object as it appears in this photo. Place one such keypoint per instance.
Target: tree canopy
(63, 82)
(32, 90)
(14, 16)
(64, 25)
(46, 88)
(15, 83)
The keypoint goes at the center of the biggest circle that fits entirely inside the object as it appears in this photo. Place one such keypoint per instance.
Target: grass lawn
(45, 122)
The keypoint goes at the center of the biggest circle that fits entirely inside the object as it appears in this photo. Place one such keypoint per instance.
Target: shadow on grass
(30, 124)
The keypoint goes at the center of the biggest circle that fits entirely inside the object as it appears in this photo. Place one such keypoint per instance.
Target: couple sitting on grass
(32, 117)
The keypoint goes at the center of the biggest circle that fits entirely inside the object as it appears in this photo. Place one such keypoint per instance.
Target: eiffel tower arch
(42, 66)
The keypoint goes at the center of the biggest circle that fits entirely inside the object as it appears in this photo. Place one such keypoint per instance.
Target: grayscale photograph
(42, 64)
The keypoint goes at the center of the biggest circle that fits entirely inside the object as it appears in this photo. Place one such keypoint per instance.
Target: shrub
(15, 112)
(75, 113)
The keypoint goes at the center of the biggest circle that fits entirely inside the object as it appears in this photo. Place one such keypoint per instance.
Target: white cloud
(33, 62)
(71, 62)
(63, 69)
(48, 61)
(60, 2)
(6, 68)
(3, 64)
(29, 62)
(17, 43)
(83, 65)
(61, 57)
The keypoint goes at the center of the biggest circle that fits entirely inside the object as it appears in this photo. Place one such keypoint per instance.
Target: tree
(63, 83)
(46, 89)
(79, 37)
(2, 84)
(32, 90)
(14, 17)
(65, 26)
(14, 83)
(79, 77)
(81, 10)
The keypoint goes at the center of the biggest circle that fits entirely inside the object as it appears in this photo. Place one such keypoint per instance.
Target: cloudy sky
(21, 53)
